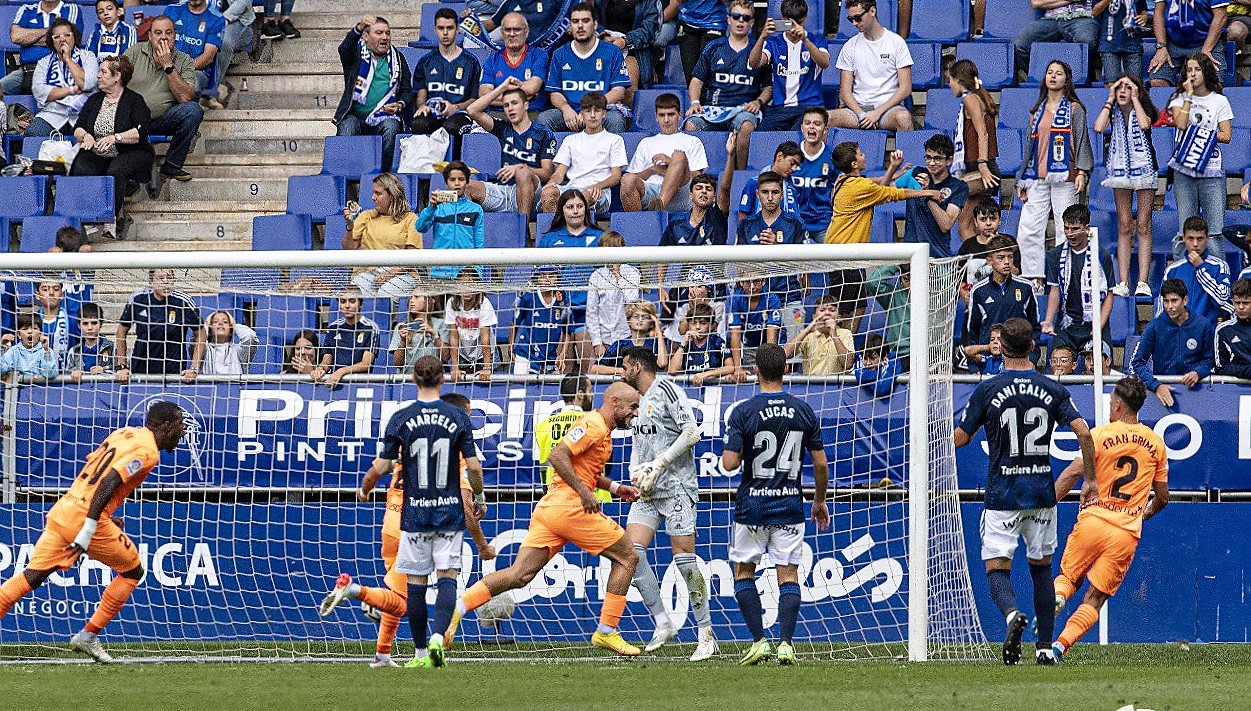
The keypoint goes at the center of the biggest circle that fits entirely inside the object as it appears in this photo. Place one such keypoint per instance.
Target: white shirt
(1207, 112)
(65, 109)
(876, 66)
(591, 157)
(696, 159)
(467, 322)
(606, 299)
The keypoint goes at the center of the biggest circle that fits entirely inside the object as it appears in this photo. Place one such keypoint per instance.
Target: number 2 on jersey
(423, 452)
(1126, 462)
(787, 462)
(1032, 445)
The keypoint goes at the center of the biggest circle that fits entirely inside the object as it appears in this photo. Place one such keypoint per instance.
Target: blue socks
(1044, 603)
(444, 604)
(749, 604)
(788, 609)
(1000, 590)
(417, 614)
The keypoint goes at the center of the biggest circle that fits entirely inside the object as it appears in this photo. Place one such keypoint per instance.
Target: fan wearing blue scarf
(377, 86)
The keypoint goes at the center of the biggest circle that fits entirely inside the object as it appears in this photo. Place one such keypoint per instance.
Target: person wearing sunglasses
(876, 74)
(794, 62)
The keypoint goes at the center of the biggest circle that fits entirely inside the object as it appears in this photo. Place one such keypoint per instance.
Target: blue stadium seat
(887, 14)
(872, 143)
(940, 21)
(995, 61)
(1011, 149)
(7, 14)
(927, 66)
(1077, 56)
(1123, 321)
(366, 197)
(427, 21)
(815, 24)
(1009, 220)
(941, 109)
(1131, 344)
(412, 52)
(208, 303)
(832, 77)
(1164, 226)
(1014, 106)
(316, 195)
(632, 140)
(24, 196)
(1005, 18)
(714, 149)
(913, 146)
(542, 224)
(282, 233)
(1236, 156)
(1162, 140)
(26, 100)
(504, 230)
(481, 151)
(351, 156)
(279, 316)
(250, 279)
(5, 237)
(673, 66)
(88, 198)
(1239, 96)
(737, 183)
(1160, 96)
(764, 144)
(333, 235)
(1093, 98)
(39, 232)
(1100, 197)
(645, 108)
(379, 310)
(30, 146)
(640, 229)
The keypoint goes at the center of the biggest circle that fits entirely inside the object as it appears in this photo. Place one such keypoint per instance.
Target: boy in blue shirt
(773, 226)
(930, 220)
(986, 359)
(1176, 342)
(112, 36)
(200, 31)
(755, 317)
(795, 62)
(92, 354)
(1233, 338)
(32, 354)
(702, 352)
(1204, 272)
(446, 81)
(538, 337)
(584, 65)
(527, 150)
(56, 324)
(786, 160)
(458, 223)
(350, 343)
(815, 175)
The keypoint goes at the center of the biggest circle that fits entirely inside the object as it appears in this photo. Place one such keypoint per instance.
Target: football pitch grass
(1207, 677)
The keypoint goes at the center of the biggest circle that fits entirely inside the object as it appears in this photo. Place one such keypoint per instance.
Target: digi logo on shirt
(728, 78)
(582, 86)
(813, 181)
(443, 87)
(522, 156)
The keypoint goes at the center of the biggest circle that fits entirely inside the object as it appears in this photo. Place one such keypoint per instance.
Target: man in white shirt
(876, 71)
(659, 174)
(591, 160)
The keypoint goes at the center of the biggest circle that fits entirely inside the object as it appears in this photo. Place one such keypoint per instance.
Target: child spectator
(931, 220)
(701, 353)
(1000, 296)
(421, 333)
(351, 341)
(92, 354)
(1088, 359)
(1062, 359)
(1120, 40)
(644, 333)
(826, 346)
(1204, 120)
(590, 161)
(610, 289)
(855, 196)
(1233, 338)
(54, 320)
(1206, 275)
(391, 224)
(1132, 172)
(161, 316)
(975, 250)
(537, 335)
(976, 145)
(795, 63)
(986, 359)
(815, 175)
(1176, 342)
(700, 291)
(895, 300)
(1071, 280)
(571, 227)
(786, 160)
(229, 346)
(755, 317)
(877, 369)
(31, 355)
(771, 225)
(471, 316)
(300, 355)
(457, 224)
(112, 36)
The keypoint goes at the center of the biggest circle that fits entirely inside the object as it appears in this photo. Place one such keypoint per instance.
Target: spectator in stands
(987, 359)
(1176, 342)
(1000, 296)
(236, 37)
(876, 69)
(755, 317)
(200, 37)
(377, 86)
(795, 62)
(701, 352)
(815, 174)
(696, 24)
(527, 150)
(229, 346)
(470, 318)
(571, 227)
(1204, 272)
(93, 354)
(1061, 21)
(166, 79)
(456, 223)
(30, 33)
(446, 80)
(517, 60)
(548, 21)
(928, 220)
(277, 27)
(1132, 173)
(112, 135)
(300, 355)
(632, 25)
(1186, 29)
(736, 94)
(1204, 119)
(1238, 24)
(30, 356)
(391, 224)
(112, 35)
(1070, 279)
(706, 223)
(610, 289)
(701, 290)
(1062, 359)
(1088, 359)
(877, 369)
(351, 341)
(825, 345)
(786, 160)
(976, 144)
(420, 334)
(63, 80)
(644, 333)
(659, 175)
(584, 67)
(772, 226)
(161, 317)
(855, 196)
(589, 161)
(1233, 337)
(1057, 162)
(537, 337)
(974, 251)
(55, 322)
(1120, 41)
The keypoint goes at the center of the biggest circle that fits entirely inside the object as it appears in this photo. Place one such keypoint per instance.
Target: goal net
(243, 529)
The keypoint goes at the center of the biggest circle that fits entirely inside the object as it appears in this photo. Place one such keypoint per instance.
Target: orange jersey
(131, 452)
(590, 442)
(1128, 459)
(395, 500)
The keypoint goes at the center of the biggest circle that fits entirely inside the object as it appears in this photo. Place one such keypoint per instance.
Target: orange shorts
(551, 527)
(397, 582)
(1099, 552)
(110, 546)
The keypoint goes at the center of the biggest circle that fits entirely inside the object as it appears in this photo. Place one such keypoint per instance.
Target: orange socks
(476, 596)
(14, 589)
(1079, 624)
(388, 601)
(614, 606)
(386, 633)
(115, 595)
(1064, 586)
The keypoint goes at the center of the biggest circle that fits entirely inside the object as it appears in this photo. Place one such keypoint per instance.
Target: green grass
(1208, 677)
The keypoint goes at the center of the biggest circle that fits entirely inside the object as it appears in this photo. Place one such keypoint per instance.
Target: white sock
(605, 629)
(436, 637)
(460, 606)
(86, 636)
(421, 653)
(354, 591)
(380, 657)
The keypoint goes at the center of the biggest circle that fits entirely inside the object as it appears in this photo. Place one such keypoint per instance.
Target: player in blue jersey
(786, 160)
(795, 63)
(200, 29)
(526, 151)
(771, 225)
(1019, 409)
(815, 175)
(735, 94)
(538, 331)
(446, 80)
(767, 435)
(584, 65)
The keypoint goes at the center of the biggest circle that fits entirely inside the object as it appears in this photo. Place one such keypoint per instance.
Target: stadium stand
(939, 21)
(351, 156)
(995, 61)
(282, 233)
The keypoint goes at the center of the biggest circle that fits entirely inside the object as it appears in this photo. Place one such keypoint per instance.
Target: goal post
(243, 528)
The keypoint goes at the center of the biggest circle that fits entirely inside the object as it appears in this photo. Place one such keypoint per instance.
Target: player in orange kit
(81, 522)
(570, 513)
(1130, 464)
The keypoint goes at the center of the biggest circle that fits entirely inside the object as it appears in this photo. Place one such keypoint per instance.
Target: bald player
(81, 521)
(570, 513)
(1130, 465)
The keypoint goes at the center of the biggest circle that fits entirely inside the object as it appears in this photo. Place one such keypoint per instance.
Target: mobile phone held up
(783, 26)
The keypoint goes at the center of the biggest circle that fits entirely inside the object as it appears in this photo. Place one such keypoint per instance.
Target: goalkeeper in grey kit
(662, 466)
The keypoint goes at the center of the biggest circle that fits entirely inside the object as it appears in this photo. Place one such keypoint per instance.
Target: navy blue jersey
(788, 230)
(710, 231)
(727, 79)
(614, 355)
(347, 343)
(709, 355)
(539, 327)
(573, 76)
(163, 328)
(748, 203)
(453, 81)
(429, 439)
(1019, 409)
(533, 63)
(539, 14)
(753, 321)
(812, 181)
(531, 148)
(771, 431)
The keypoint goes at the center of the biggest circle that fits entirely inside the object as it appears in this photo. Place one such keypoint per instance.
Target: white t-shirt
(696, 159)
(467, 322)
(1208, 112)
(876, 66)
(591, 157)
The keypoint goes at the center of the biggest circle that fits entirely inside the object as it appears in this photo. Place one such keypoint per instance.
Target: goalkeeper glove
(644, 475)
